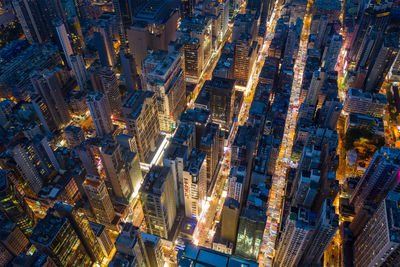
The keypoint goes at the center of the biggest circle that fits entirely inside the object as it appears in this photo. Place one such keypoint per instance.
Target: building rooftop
(154, 11)
(176, 151)
(47, 229)
(209, 135)
(134, 102)
(200, 256)
(154, 181)
(194, 162)
(220, 84)
(197, 115)
(354, 92)
(150, 240)
(183, 133)
(122, 260)
(161, 62)
(97, 228)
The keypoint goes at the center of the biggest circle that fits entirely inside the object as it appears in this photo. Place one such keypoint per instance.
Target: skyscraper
(130, 242)
(195, 183)
(111, 90)
(378, 244)
(49, 84)
(56, 237)
(250, 232)
(222, 97)
(210, 144)
(382, 62)
(122, 169)
(175, 157)
(99, 198)
(125, 10)
(230, 219)
(162, 74)
(79, 68)
(81, 226)
(141, 117)
(299, 227)
(32, 19)
(378, 179)
(13, 205)
(100, 112)
(326, 226)
(31, 167)
(332, 52)
(153, 28)
(43, 112)
(132, 80)
(245, 54)
(64, 40)
(158, 201)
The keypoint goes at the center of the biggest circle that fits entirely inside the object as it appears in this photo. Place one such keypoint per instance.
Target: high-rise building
(245, 55)
(364, 103)
(49, 84)
(211, 145)
(194, 61)
(79, 68)
(154, 249)
(326, 227)
(125, 10)
(122, 169)
(111, 90)
(162, 74)
(141, 117)
(192, 256)
(12, 237)
(332, 52)
(132, 80)
(102, 237)
(195, 183)
(380, 176)
(81, 226)
(307, 188)
(29, 164)
(200, 118)
(106, 35)
(100, 112)
(64, 40)
(230, 219)
(222, 98)
(130, 242)
(185, 134)
(378, 244)
(43, 112)
(236, 182)
(158, 201)
(32, 17)
(299, 227)
(14, 206)
(99, 198)
(250, 233)
(195, 33)
(153, 28)
(383, 61)
(56, 237)
(175, 157)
